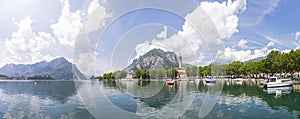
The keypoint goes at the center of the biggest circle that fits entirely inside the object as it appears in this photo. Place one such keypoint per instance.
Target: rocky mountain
(59, 69)
(155, 58)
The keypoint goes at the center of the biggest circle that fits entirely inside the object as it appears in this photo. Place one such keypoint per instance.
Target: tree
(160, 74)
(145, 74)
(172, 73)
(207, 70)
(233, 68)
(152, 74)
(92, 77)
(100, 78)
(200, 71)
(137, 74)
(108, 76)
(188, 71)
(249, 68)
(272, 62)
(193, 71)
(120, 74)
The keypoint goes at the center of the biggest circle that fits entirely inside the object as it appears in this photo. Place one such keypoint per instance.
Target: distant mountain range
(58, 69)
(255, 59)
(154, 59)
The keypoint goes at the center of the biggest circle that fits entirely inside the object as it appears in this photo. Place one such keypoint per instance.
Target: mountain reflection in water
(145, 99)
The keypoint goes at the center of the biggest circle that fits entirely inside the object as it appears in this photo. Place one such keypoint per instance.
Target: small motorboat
(170, 82)
(210, 80)
(277, 82)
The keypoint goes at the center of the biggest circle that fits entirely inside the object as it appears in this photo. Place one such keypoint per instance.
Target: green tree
(233, 68)
(145, 74)
(188, 71)
(137, 74)
(172, 73)
(160, 74)
(120, 74)
(193, 71)
(200, 71)
(152, 74)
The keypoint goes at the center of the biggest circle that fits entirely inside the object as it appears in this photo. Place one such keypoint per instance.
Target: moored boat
(210, 80)
(277, 82)
(170, 82)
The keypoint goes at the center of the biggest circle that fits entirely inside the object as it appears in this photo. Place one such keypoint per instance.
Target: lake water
(145, 99)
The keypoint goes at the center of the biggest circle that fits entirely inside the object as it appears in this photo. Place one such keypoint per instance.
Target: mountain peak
(58, 68)
(155, 58)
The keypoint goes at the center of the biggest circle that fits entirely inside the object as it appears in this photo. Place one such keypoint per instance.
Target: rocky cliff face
(154, 59)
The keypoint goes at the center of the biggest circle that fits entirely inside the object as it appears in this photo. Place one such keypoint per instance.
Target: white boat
(277, 82)
(210, 80)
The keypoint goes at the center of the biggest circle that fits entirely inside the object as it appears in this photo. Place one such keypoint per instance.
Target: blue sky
(102, 36)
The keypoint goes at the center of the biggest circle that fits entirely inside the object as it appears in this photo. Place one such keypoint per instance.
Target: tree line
(276, 62)
(142, 74)
(113, 75)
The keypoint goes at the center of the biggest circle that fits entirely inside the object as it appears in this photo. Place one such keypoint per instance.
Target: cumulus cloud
(93, 5)
(97, 15)
(243, 44)
(27, 46)
(163, 34)
(231, 54)
(84, 56)
(199, 32)
(270, 44)
(224, 15)
(68, 26)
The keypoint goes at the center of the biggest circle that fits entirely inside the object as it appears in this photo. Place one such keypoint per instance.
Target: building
(180, 68)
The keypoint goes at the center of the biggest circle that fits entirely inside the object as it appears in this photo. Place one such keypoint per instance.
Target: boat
(210, 80)
(170, 82)
(277, 82)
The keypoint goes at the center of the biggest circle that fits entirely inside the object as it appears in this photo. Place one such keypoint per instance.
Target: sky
(101, 36)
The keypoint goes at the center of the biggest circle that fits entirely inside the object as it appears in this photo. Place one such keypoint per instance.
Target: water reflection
(40, 99)
(244, 98)
(279, 91)
(135, 99)
(57, 90)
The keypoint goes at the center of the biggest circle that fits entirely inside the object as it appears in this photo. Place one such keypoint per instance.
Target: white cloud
(93, 5)
(243, 44)
(84, 56)
(224, 15)
(26, 46)
(97, 16)
(270, 44)
(68, 26)
(232, 54)
(190, 40)
(163, 34)
(297, 34)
